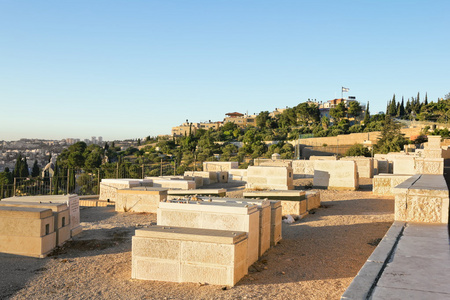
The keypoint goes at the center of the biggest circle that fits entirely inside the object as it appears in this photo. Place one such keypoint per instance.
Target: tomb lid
(143, 190)
(25, 212)
(192, 234)
(197, 191)
(44, 198)
(204, 206)
(56, 207)
(267, 194)
(258, 202)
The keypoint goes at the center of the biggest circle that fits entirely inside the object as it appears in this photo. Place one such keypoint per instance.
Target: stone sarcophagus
(179, 254)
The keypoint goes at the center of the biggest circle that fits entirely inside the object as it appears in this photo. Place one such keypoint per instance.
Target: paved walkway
(411, 262)
(420, 266)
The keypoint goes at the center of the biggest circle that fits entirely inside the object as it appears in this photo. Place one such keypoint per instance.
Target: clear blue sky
(128, 69)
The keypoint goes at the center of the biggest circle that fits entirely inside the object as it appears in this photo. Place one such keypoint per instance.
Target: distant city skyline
(126, 70)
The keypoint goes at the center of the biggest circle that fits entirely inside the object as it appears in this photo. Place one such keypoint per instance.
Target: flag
(345, 90)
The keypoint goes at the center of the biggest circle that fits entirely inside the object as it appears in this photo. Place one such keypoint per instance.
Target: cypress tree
(17, 166)
(35, 171)
(393, 107)
(367, 115)
(426, 99)
(401, 112)
(408, 107)
(24, 168)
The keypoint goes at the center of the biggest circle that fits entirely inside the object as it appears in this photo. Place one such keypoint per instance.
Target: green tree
(35, 171)
(338, 112)
(391, 140)
(367, 115)
(262, 119)
(354, 109)
(357, 150)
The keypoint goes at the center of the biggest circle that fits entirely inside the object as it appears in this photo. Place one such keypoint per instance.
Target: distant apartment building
(186, 128)
(240, 120)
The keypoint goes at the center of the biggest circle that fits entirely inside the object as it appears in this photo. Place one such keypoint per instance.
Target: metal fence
(87, 182)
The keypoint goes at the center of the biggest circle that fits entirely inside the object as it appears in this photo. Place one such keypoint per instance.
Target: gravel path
(317, 258)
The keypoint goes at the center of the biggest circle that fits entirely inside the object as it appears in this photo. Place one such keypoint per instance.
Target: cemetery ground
(317, 258)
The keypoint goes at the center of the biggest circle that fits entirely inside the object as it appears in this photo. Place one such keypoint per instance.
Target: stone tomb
(269, 178)
(60, 213)
(27, 231)
(384, 184)
(264, 218)
(174, 184)
(141, 199)
(335, 175)
(109, 187)
(237, 175)
(422, 198)
(312, 200)
(72, 201)
(195, 255)
(292, 202)
(173, 194)
(208, 177)
(364, 165)
(214, 215)
(219, 166)
(275, 222)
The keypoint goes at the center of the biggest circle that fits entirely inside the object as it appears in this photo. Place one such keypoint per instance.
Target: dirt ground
(317, 258)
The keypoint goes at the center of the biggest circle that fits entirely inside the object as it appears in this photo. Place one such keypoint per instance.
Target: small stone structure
(275, 222)
(422, 198)
(189, 255)
(364, 165)
(292, 202)
(237, 175)
(336, 175)
(273, 162)
(27, 231)
(173, 194)
(303, 168)
(312, 200)
(174, 184)
(264, 218)
(433, 148)
(384, 184)
(219, 166)
(214, 215)
(109, 187)
(208, 177)
(270, 178)
(314, 157)
(60, 214)
(141, 199)
(72, 201)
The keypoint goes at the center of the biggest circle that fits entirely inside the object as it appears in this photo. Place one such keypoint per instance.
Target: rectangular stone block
(214, 215)
(268, 177)
(109, 187)
(275, 222)
(422, 198)
(71, 200)
(364, 165)
(142, 199)
(174, 184)
(219, 166)
(60, 213)
(264, 218)
(180, 254)
(384, 184)
(338, 175)
(27, 231)
(312, 200)
(197, 192)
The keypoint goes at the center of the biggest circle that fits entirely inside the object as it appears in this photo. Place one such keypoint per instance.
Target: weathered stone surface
(109, 187)
(384, 184)
(27, 231)
(303, 168)
(72, 201)
(219, 166)
(144, 199)
(312, 200)
(214, 215)
(270, 178)
(189, 255)
(335, 175)
(364, 165)
(422, 198)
